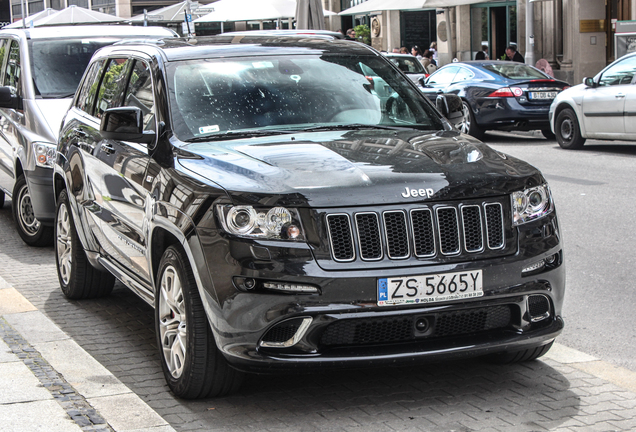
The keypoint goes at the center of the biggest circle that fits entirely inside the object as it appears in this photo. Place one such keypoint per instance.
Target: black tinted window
(113, 85)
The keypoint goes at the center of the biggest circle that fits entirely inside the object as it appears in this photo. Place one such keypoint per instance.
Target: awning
(380, 5)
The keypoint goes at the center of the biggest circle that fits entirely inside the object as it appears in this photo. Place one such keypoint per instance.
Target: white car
(602, 107)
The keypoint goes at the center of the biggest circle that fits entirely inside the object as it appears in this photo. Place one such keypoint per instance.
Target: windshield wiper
(237, 135)
(354, 126)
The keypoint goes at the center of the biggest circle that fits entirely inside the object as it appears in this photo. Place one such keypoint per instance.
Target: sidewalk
(49, 383)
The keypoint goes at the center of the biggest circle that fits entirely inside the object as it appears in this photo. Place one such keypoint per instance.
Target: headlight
(44, 154)
(531, 204)
(277, 223)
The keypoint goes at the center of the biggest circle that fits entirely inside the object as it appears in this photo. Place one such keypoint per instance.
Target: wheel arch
(569, 105)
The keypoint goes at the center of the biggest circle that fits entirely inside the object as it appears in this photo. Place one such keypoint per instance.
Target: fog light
(534, 267)
(290, 287)
(551, 259)
(249, 283)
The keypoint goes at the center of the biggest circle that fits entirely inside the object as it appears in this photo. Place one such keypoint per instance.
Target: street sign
(188, 17)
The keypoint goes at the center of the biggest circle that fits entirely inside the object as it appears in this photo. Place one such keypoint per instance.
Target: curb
(58, 362)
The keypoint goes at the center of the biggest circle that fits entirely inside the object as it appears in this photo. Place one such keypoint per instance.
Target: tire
(468, 125)
(30, 229)
(568, 132)
(192, 364)
(78, 279)
(525, 355)
(547, 134)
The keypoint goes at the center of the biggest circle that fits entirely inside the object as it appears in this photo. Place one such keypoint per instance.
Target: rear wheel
(468, 125)
(192, 364)
(525, 355)
(78, 279)
(30, 229)
(567, 130)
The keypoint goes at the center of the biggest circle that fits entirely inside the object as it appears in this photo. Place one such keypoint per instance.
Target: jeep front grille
(442, 230)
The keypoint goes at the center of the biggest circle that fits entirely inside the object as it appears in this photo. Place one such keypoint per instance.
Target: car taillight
(507, 92)
(370, 79)
(565, 88)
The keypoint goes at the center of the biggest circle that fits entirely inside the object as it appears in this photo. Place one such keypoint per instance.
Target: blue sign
(383, 290)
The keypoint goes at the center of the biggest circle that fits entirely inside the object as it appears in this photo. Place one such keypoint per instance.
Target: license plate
(430, 288)
(543, 95)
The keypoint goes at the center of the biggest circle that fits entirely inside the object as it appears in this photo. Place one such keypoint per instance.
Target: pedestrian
(483, 54)
(433, 49)
(428, 62)
(416, 52)
(351, 34)
(404, 50)
(513, 55)
(396, 50)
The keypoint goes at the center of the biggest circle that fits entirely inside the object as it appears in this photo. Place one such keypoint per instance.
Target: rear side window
(113, 85)
(86, 95)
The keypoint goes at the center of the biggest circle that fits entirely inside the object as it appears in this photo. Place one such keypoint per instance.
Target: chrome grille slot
(341, 237)
(473, 236)
(423, 232)
(396, 235)
(368, 228)
(494, 225)
(447, 226)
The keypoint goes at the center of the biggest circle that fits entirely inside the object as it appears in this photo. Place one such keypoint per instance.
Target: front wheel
(468, 125)
(568, 132)
(78, 279)
(30, 229)
(191, 362)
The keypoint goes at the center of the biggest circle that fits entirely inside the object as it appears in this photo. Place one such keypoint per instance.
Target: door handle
(80, 133)
(107, 148)
(619, 95)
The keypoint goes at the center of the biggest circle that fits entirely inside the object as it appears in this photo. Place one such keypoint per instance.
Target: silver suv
(39, 72)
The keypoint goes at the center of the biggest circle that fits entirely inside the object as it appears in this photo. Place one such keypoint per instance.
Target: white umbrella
(172, 13)
(380, 5)
(32, 18)
(309, 15)
(76, 15)
(251, 10)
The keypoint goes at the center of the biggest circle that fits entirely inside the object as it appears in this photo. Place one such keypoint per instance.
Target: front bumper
(40, 183)
(259, 330)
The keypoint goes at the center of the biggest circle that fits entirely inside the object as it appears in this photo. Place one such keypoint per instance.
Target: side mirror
(8, 99)
(450, 106)
(125, 124)
(589, 82)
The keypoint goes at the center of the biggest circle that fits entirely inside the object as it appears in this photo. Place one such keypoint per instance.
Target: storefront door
(495, 26)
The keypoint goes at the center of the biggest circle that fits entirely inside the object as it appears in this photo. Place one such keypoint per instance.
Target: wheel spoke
(172, 321)
(64, 245)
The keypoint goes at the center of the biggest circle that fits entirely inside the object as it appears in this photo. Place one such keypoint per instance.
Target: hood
(337, 169)
(51, 111)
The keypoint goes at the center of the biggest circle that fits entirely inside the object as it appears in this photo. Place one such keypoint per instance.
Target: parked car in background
(497, 95)
(278, 214)
(41, 69)
(603, 107)
(408, 64)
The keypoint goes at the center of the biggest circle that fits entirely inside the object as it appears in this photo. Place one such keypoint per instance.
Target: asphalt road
(595, 190)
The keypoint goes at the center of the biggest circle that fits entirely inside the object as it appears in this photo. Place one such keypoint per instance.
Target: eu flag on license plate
(383, 290)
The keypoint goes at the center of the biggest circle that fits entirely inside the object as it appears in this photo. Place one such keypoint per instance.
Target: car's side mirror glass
(450, 106)
(8, 99)
(125, 124)
(589, 82)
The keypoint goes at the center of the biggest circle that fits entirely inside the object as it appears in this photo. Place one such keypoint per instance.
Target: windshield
(221, 96)
(408, 65)
(58, 65)
(517, 71)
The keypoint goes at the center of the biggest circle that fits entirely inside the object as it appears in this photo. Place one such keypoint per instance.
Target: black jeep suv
(296, 202)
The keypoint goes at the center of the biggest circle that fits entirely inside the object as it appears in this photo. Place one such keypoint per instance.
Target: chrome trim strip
(304, 326)
(432, 232)
(503, 226)
(481, 228)
(333, 253)
(377, 219)
(406, 233)
(439, 233)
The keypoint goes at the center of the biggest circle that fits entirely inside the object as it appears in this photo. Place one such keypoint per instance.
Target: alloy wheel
(172, 321)
(64, 245)
(26, 218)
(464, 125)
